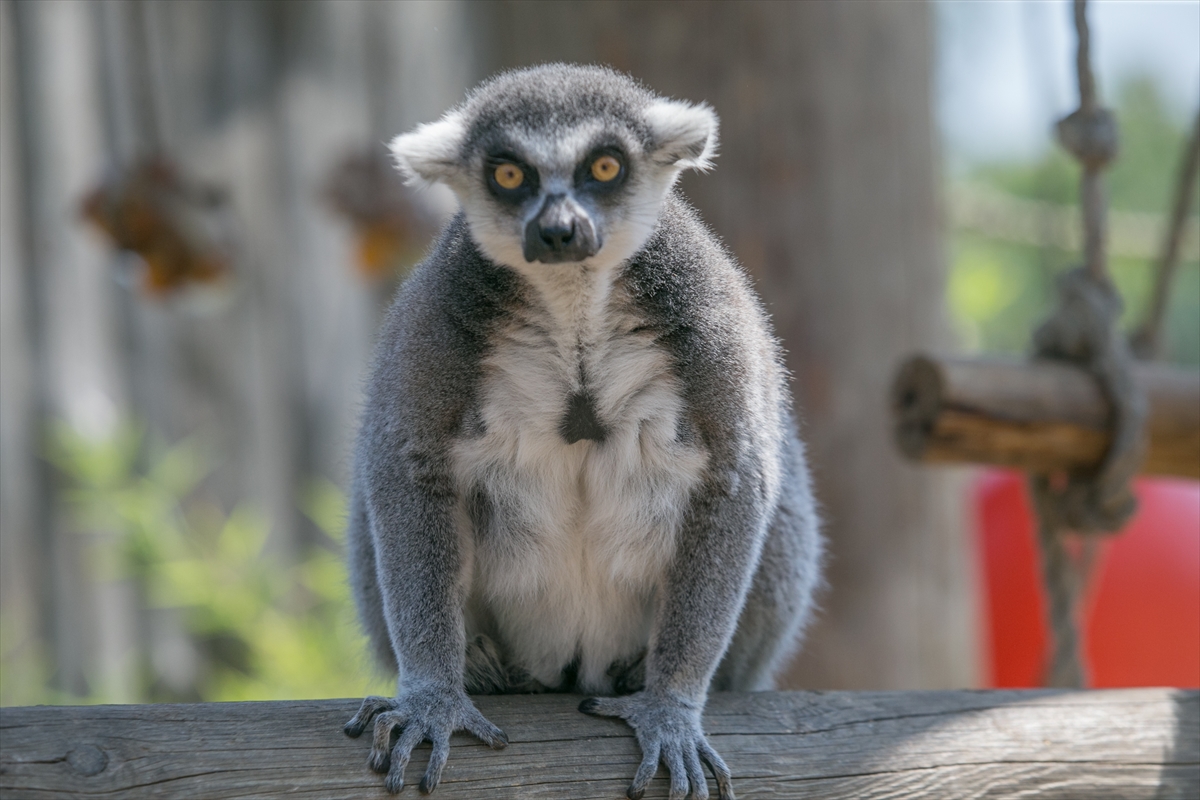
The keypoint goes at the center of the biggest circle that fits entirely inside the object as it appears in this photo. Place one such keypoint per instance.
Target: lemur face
(560, 165)
(560, 197)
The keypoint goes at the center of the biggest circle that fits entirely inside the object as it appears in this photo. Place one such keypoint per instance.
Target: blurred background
(199, 230)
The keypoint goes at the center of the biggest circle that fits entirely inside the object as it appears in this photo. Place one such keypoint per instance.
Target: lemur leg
(780, 601)
(628, 676)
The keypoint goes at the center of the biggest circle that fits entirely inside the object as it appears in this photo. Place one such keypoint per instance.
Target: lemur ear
(431, 152)
(685, 134)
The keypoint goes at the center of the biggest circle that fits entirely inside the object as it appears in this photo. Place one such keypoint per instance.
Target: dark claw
(438, 756)
(370, 708)
(357, 724)
(379, 762)
(719, 770)
(589, 706)
(635, 794)
(394, 782)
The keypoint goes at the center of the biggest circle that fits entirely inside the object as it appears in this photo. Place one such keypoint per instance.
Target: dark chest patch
(580, 420)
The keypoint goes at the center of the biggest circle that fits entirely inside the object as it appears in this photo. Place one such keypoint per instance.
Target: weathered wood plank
(1128, 744)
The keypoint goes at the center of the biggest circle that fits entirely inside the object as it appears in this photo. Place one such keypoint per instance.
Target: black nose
(558, 234)
(561, 231)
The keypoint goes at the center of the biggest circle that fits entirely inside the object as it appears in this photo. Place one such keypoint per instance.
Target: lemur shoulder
(578, 468)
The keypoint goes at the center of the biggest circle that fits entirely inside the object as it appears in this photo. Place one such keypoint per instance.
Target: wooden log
(1040, 417)
(1128, 744)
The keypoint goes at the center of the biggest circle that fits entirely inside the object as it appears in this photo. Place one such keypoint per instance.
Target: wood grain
(1041, 417)
(1128, 744)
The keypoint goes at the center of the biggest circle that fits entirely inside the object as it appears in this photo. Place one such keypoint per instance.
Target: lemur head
(560, 163)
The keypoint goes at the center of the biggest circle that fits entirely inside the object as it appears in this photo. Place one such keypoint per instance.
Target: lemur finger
(366, 712)
(437, 760)
(673, 759)
(645, 772)
(485, 731)
(719, 770)
(401, 753)
(381, 745)
(695, 774)
(604, 706)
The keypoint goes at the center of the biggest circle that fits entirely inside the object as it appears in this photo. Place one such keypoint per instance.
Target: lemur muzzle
(561, 231)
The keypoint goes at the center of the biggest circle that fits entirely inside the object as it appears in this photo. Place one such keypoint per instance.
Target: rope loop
(1084, 331)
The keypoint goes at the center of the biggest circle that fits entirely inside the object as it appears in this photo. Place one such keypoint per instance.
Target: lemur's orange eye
(605, 168)
(509, 176)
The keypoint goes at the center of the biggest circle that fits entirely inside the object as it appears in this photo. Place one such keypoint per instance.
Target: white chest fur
(577, 536)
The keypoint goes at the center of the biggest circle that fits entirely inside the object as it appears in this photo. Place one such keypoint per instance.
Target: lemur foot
(418, 714)
(629, 676)
(484, 671)
(668, 730)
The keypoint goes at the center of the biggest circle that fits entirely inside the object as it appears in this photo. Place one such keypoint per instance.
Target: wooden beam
(1040, 417)
(1128, 744)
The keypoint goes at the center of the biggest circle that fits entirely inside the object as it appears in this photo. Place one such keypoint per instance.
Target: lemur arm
(419, 558)
(418, 394)
(707, 582)
(723, 373)
(421, 389)
(727, 364)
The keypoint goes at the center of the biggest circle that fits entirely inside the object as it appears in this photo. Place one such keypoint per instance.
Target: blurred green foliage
(999, 291)
(259, 628)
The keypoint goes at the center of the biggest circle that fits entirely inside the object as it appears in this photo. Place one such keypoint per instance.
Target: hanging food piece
(176, 227)
(391, 228)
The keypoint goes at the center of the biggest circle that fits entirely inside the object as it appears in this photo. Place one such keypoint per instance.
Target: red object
(1143, 607)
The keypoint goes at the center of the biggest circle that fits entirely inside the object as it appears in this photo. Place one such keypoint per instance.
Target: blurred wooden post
(21, 487)
(79, 368)
(825, 189)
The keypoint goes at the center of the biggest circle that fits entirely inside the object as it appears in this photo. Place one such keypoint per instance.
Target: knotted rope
(1083, 330)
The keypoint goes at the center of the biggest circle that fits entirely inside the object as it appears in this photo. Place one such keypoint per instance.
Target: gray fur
(578, 476)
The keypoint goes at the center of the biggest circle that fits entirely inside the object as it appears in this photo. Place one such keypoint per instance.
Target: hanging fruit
(391, 228)
(173, 225)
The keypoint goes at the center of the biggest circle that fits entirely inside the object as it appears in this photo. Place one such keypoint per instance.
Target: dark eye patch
(584, 179)
(528, 187)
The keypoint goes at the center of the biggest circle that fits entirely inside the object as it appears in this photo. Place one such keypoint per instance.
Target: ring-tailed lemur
(578, 469)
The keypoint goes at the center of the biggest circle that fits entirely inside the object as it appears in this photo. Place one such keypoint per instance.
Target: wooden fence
(1122, 744)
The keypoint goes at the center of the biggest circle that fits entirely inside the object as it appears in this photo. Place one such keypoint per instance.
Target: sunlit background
(199, 230)
(1005, 75)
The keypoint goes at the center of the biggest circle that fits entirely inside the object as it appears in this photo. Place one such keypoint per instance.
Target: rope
(1149, 336)
(1064, 581)
(1083, 330)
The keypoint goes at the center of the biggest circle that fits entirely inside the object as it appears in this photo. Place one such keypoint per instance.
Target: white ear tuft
(685, 135)
(430, 153)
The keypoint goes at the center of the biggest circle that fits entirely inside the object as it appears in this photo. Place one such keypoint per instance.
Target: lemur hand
(419, 713)
(668, 729)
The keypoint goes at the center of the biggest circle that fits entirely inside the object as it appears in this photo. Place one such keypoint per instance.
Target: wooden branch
(1128, 744)
(1040, 417)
